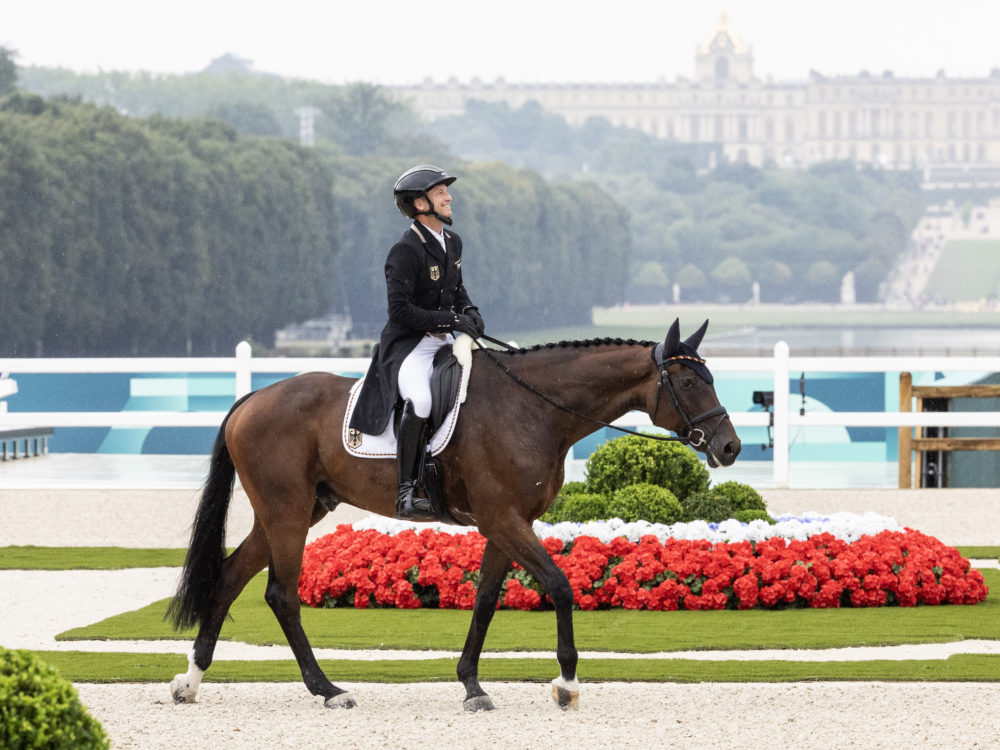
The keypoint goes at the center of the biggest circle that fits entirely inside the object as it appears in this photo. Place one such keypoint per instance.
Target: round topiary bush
(552, 515)
(580, 507)
(707, 505)
(41, 709)
(748, 515)
(633, 460)
(740, 496)
(645, 502)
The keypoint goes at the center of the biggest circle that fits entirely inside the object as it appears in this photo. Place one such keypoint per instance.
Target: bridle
(690, 423)
(663, 383)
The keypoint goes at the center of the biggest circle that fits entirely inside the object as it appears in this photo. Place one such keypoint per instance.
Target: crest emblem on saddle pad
(435, 273)
(354, 438)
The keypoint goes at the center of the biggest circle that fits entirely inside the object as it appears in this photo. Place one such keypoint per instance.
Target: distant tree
(249, 118)
(732, 277)
(692, 281)
(823, 281)
(649, 284)
(8, 71)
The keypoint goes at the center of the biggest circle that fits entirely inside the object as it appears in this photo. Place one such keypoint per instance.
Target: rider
(427, 302)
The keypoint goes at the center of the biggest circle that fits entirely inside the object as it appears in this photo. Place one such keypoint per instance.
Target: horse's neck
(601, 382)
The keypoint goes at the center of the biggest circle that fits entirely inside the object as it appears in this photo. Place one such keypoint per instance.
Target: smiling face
(441, 202)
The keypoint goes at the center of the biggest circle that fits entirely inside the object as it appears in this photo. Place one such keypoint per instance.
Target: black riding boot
(411, 444)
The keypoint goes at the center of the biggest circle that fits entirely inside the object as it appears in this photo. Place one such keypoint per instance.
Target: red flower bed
(438, 569)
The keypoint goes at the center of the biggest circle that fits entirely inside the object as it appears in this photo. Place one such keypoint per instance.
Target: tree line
(168, 236)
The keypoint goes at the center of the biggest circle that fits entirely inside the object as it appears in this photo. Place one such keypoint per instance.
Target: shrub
(750, 514)
(740, 496)
(555, 509)
(645, 502)
(707, 505)
(41, 709)
(633, 460)
(580, 507)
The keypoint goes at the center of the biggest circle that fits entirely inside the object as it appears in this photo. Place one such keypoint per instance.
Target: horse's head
(685, 400)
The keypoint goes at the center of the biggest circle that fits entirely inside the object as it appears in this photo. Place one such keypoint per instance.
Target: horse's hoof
(182, 690)
(340, 700)
(478, 703)
(566, 694)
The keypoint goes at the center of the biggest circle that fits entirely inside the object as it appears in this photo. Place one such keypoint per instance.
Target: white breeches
(415, 372)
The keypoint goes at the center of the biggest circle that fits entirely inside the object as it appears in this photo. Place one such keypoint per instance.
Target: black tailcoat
(425, 290)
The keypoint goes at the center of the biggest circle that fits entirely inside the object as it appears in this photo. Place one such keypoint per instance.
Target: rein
(664, 382)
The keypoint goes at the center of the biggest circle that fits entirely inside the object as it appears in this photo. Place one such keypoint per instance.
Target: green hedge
(634, 478)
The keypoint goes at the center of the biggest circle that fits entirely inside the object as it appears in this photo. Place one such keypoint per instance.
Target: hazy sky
(390, 41)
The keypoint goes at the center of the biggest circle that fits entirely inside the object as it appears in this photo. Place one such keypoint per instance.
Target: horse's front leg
(492, 571)
(524, 547)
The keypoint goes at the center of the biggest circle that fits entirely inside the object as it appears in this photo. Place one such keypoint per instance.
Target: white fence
(781, 366)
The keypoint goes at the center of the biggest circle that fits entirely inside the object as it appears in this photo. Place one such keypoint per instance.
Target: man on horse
(427, 303)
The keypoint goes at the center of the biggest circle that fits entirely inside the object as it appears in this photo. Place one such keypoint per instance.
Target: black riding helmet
(414, 183)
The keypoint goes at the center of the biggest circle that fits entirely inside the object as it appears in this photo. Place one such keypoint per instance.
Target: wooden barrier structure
(908, 443)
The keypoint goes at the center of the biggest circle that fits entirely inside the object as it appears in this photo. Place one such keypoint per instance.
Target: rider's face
(440, 199)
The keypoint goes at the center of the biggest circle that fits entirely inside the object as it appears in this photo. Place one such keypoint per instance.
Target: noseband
(695, 436)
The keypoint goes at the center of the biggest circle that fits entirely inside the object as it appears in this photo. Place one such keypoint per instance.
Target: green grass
(614, 630)
(610, 630)
(967, 270)
(89, 667)
(87, 558)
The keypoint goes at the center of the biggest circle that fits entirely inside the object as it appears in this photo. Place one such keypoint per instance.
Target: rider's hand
(477, 320)
(465, 324)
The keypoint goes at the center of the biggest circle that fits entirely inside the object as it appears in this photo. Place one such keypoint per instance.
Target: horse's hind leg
(243, 564)
(282, 596)
(494, 568)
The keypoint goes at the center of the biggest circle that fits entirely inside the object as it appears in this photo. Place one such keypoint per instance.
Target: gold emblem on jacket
(435, 273)
(354, 438)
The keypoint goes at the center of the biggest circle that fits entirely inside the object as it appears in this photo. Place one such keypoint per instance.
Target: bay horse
(502, 468)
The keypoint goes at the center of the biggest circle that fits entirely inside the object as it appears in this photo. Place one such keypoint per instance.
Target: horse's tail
(202, 574)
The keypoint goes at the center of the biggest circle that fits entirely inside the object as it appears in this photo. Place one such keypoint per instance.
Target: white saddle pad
(363, 445)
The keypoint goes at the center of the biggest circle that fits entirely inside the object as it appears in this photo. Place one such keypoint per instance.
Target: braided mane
(583, 344)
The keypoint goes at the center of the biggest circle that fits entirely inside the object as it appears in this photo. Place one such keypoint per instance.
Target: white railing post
(243, 378)
(780, 431)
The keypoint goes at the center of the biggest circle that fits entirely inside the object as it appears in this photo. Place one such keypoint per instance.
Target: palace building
(949, 127)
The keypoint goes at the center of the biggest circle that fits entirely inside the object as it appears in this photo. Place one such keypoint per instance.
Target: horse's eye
(687, 384)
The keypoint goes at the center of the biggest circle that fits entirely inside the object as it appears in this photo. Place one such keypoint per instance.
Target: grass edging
(151, 667)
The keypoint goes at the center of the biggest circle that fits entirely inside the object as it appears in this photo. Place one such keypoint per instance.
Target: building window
(744, 128)
(821, 125)
(837, 131)
(929, 125)
(769, 128)
(721, 68)
(789, 129)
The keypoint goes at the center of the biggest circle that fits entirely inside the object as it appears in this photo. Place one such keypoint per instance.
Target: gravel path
(39, 604)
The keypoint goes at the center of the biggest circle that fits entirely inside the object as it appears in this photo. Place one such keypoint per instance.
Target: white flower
(848, 527)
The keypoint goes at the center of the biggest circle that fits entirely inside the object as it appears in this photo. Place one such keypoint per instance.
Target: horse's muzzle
(725, 456)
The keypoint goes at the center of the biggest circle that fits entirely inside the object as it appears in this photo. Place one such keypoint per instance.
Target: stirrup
(409, 507)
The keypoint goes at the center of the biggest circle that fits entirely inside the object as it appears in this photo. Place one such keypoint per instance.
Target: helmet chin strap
(432, 212)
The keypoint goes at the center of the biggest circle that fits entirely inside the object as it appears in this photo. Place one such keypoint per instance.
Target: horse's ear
(694, 340)
(671, 345)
